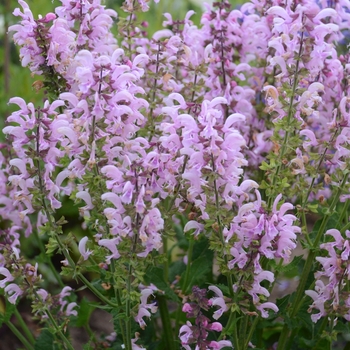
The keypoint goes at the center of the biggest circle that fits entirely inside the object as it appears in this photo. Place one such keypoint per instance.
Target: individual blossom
(82, 248)
(145, 309)
(219, 301)
(13, 291)
(7, 277)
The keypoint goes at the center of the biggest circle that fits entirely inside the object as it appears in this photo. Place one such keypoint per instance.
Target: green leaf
(84, 313)
(199, 268)
(293, 265)
(45, 341)
(155, 275)
(51, 246)
(6, 310)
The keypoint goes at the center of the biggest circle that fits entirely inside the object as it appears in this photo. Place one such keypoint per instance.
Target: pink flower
(194, 225)
(111, 244)
(268, 305)
(82, 248)
(216, 345)
(8, 277)
(144, 307)
(218, 301)
(14, 291)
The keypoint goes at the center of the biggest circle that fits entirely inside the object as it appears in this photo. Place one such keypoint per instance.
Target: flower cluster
(221, 130)
(330, 296)
(198, 333)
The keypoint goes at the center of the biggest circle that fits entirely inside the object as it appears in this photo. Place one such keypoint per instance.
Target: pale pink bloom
(69, 310)
(8, 277)
(14, 291)
(194, 225)
(267, 305)
(111, 244)
(43, 294)
(218, 301)
(82, 248)
(217, 345)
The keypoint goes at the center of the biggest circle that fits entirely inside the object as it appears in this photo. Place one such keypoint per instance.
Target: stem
(235, 335)
(164, 314)
(166, 262)
(48, 259)
(251, 331)
(221, 235)
(119, 302)
(229, 276)
(343, 215)
(95, 291)
(154, 90)
(58, 330)
(128, 344)
(121, 324)
(243, 329)
(188, 267)
(318, 169)
(19, 335)
(289, 116)
(24, 327)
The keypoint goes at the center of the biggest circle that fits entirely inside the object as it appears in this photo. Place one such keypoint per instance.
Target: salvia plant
(210, 168)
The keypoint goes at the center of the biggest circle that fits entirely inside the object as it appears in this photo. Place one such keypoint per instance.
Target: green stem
(344, 228)
(177, 321)
(166, 262)
(95, 291)
(24, 327)
(243, 329)
(235, 335)
(58, 330)
(121, 323)
(48, 259)
(231, 323)
(289, 116)
(19, 335)
(164, 314)
(221, 235)
(188, 267)
(251, 331)
(119, 302)
(128, 344)
(343, 215)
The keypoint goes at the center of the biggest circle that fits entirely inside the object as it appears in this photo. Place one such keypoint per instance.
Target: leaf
(84, 313)
(293, 265)
(283, 304)
(51, 246)
(6, 310)
(155, 275)
(45, 341)
(176, 269)
(199, 269)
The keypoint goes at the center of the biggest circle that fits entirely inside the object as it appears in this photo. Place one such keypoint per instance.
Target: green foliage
(155, 275)
(45, 341)
(6, 310)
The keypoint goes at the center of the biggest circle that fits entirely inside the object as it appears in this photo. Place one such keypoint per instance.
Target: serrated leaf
(51, 246)
(84, 313)
(291, 266)
(7, 310)
(199, 268)
(155, 275)
(45, 341)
